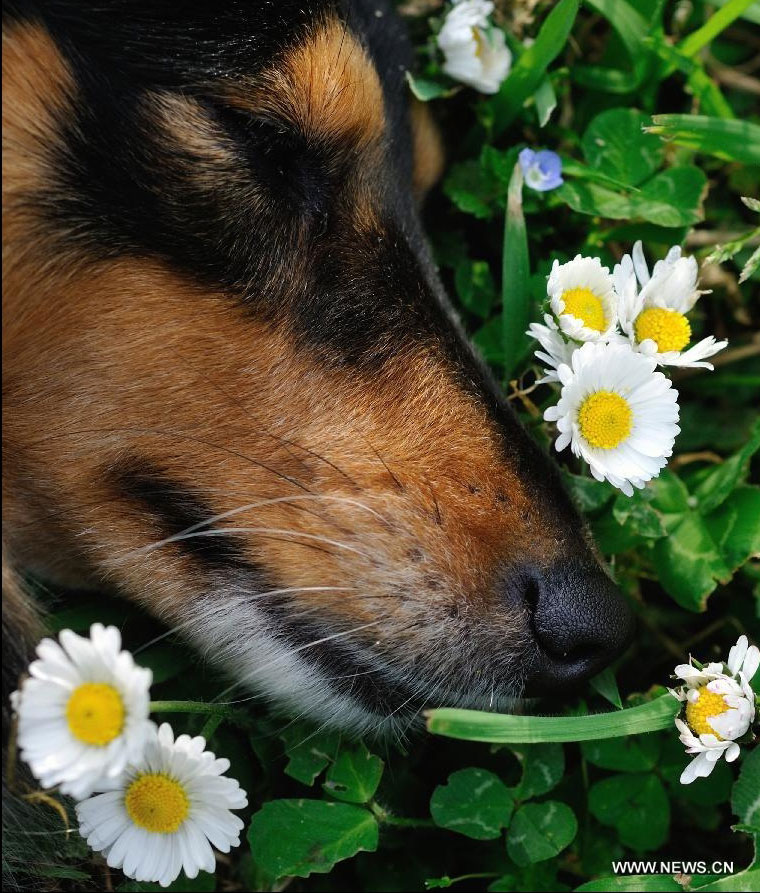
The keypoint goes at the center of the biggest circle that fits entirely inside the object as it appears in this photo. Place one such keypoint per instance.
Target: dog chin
(326, 679)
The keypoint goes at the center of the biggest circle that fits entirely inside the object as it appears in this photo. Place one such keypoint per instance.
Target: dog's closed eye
(297, 172)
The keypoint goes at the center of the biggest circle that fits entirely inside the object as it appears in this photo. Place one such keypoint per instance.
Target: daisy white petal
(172, 804)
(699, 767)
(654, 319)
(83, 711)
(718, 708)
(556, 349)
(621, 413)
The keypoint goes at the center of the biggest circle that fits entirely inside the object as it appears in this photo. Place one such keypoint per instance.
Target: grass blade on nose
(499, 728)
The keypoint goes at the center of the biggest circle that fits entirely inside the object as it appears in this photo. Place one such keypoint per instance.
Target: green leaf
(573, 168)
(729, 139)
(529, 70)
(688, 562)
(630, 754)
(301, 837)
(716, 23)
(354, 776)
(539, 831)
(473, 802)
(616, 144)
(588, 493)
(636, 805)
(475, 286)
(595, 199)
(606, 684)
(543, 766)
(735, 527)
(489, 342)
(515, 273)
(630, 25)
(470, 188)
(546, 101)
(638, 515)
(496, 728)
(672, 197)
(425, 89)
(745, 797)
(309, 752)
(670, 494)
(720, 481)
(632, 883)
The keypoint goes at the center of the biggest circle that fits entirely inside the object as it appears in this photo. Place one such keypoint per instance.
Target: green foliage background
(653, 108)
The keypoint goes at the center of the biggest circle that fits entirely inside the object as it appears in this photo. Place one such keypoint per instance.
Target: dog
(234, 390)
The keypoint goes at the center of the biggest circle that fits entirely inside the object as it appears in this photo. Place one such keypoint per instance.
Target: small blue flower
(542, 170)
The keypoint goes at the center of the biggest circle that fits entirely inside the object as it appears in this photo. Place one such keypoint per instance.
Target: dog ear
(427, 149)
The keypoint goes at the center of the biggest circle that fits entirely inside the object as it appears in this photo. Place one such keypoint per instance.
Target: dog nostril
(580, 623)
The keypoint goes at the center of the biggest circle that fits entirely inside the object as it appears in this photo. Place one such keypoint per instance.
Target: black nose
(580, 623)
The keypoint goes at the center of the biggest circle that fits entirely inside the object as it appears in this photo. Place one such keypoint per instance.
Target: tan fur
(427, 148)
(326, 86)
(417, 510)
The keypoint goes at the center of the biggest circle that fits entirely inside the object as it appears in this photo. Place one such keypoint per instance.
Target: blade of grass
(546, 101)
(515, 271)
(498, 728)
(530, 69)
(727, 138)
(631, 26)
(717, 22)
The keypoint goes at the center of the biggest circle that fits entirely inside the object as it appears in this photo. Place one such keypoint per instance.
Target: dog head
(234, 388)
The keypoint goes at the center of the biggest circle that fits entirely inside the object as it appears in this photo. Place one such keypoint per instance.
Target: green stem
(475, 725)
(189, 707)
(386, 818)
(481, 875)
(211, 725)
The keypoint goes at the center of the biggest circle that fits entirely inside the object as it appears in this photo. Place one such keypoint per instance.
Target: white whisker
(250, 507)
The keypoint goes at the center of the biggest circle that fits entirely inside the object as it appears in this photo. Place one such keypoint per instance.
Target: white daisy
(654, 318)
(719, 708)
(617, 413)
(475, 52)
(556, 349)
(583, 299)
(83, 711)
(164, 814)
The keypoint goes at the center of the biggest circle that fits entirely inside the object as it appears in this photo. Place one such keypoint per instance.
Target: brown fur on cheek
(383, 486)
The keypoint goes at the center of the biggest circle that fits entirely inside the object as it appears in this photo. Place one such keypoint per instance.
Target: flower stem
(474, 725)
(387, 818)
(188, 707)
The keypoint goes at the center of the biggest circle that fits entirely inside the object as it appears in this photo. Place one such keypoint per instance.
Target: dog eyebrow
(326, 86)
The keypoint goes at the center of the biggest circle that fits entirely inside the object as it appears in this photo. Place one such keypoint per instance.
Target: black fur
(175, 509)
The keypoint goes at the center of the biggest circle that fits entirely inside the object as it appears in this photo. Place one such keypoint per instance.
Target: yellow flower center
(669, 329)
(157, 803)
(586, 306)
(698, 713)
(605, 419)
(95, 713)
